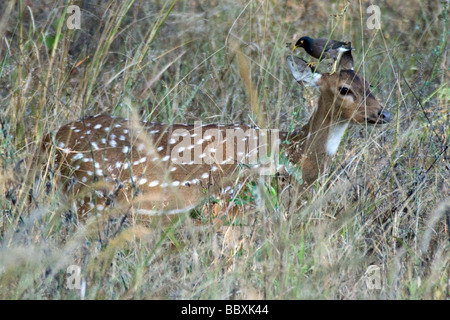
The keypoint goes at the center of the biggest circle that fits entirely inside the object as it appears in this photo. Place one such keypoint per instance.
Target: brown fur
(104, 161)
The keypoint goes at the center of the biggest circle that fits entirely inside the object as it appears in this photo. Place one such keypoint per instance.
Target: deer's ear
(302, 72)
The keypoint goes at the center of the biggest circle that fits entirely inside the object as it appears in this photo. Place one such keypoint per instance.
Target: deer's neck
(312, 145)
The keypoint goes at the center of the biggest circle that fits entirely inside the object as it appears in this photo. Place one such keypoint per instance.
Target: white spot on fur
(94, 145)
(153, 183)
(335, 137)
(142, 181)
(78, 156)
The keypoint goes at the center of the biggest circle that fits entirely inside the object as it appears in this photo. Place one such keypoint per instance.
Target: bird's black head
(302, 42)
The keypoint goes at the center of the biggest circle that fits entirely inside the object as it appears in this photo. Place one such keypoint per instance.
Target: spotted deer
(154, 168)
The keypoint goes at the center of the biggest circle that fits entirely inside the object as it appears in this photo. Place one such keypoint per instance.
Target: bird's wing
(346, 62)
(332, 45)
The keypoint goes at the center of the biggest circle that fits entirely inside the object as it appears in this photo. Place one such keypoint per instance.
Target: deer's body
(159, 168)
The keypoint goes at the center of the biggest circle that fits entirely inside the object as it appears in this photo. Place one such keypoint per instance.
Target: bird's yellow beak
(295, 46)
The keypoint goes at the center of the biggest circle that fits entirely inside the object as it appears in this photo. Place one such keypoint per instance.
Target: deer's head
(346, 94)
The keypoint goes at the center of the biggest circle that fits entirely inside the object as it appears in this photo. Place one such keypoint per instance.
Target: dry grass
(385, 202)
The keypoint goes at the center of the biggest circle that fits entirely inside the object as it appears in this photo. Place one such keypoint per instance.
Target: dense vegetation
(385, 202)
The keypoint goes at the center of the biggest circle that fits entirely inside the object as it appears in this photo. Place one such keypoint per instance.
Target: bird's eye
(301, 42)
(344, 91)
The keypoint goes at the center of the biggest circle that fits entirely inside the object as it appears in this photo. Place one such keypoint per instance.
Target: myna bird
(324, 49)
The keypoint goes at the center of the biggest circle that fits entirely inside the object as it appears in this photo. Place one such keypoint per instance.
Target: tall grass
(384, 202)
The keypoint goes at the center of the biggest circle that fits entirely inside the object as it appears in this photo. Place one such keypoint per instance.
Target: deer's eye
(344, 91)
